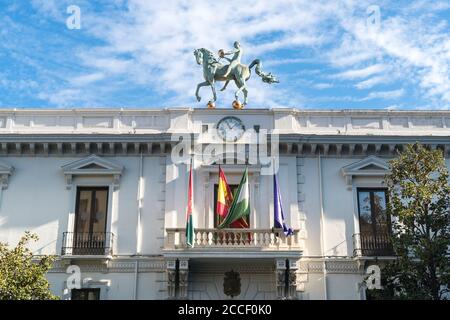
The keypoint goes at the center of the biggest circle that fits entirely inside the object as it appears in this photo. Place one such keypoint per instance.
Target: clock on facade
(230, 129)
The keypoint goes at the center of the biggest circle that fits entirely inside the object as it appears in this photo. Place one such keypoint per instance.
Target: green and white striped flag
(240, 207)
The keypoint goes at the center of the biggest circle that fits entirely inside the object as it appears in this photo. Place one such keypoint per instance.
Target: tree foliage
(22, 275)
(419, 205)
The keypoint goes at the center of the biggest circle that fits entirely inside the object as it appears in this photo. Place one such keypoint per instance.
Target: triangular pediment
(92, 164)
(368, 167)
(371, 163)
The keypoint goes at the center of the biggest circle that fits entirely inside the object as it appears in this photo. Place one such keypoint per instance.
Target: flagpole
(190, 208)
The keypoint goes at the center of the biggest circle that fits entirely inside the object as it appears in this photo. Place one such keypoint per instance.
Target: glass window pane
(365, 211)
(100, 211)
(84, 211)
(379, 210)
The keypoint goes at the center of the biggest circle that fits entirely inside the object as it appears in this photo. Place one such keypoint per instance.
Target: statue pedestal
(237, 105)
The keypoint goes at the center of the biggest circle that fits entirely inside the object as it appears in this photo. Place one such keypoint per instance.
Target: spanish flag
(224, 201)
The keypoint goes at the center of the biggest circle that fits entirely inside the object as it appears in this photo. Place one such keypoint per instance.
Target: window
(374, 223)
(90, 220)
(233, 188)
(86, 294)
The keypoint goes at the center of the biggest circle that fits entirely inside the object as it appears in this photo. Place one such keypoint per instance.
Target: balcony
(257, 239)
(368, 245)
(97, 244)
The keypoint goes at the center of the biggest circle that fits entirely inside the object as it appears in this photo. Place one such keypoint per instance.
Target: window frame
(97, 292)
(371, 192)
(93, 189)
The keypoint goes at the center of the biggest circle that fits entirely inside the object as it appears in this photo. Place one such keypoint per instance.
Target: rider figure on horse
(235, 60)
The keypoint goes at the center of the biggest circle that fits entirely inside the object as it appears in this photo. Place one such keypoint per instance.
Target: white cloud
(419, 45)
(373, 81)
(87, 79)
(159, 38)
(323, 85)
(62, 98)
(387, 95)
(150, 43)
(361, 73)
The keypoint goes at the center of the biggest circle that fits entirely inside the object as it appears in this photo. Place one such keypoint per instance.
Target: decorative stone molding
(183, 278)
(183, 273)
(183, 283)
(280, 277)
(292, 281)
(171, 284)
(368, 167)
(171, 273)
(344, 267)
(341, 265)
(315, 267)
(292, 144)
(92, 165)
(286, 288)
(5, 172)
(259, 268)
(292, 294)
(307, 132)
(113, 266)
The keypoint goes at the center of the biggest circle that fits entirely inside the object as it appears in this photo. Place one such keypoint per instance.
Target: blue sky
(138, 53)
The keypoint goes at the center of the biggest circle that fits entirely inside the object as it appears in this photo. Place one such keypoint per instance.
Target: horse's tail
(266, 77)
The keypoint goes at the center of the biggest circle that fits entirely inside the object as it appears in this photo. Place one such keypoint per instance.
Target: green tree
(419, 203)
(22, 275)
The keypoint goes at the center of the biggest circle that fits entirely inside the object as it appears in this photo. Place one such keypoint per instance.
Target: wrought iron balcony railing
(370, 245)
(233, 238)
(85, 243)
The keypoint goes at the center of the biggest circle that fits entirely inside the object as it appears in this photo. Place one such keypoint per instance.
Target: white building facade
(103, 192)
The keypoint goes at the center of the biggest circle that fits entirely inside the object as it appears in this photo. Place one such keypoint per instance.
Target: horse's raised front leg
(225, 86)
(202, 84)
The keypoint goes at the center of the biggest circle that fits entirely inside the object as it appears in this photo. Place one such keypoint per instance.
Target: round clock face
(230, 129)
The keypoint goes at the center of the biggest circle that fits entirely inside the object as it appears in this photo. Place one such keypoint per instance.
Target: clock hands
(230, 129)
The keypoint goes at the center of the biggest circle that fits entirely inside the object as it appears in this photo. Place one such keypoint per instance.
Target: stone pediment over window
(369, 167)
(5, 172)
(94, 166)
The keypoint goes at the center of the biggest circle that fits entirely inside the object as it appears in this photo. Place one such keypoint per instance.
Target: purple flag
(278, 209)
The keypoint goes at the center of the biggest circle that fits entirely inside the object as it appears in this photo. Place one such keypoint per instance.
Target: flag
(224, 197)
(240, 207)
(278, 209)
(224, 201)
(189, 220)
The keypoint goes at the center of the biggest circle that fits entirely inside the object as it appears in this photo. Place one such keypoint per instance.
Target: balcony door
(374, 223)
(90, 220)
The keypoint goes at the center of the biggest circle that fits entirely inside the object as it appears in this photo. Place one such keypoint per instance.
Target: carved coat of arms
(232, 284)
